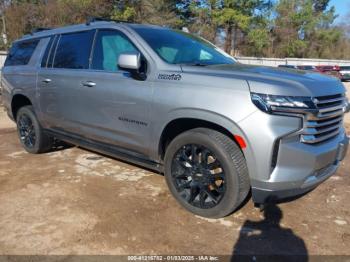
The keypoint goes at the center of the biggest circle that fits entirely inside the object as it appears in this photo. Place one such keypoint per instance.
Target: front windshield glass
(177, 47)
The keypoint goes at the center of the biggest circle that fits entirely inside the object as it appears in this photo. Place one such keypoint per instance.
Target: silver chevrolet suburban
(173, 102)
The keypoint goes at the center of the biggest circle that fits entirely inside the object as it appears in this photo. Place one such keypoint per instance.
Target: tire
(210, 166)
(31, 135)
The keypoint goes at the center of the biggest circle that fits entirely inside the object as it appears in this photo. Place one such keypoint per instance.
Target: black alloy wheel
(198, 176)
(26, 131)
(32, 136)
(206, 172)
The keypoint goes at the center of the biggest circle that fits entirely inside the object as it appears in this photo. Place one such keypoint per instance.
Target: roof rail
(103, 19)
(39, 29)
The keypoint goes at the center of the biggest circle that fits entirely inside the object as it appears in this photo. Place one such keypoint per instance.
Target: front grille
(327, 123)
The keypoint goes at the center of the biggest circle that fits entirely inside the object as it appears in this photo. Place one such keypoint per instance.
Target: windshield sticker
(176, 77)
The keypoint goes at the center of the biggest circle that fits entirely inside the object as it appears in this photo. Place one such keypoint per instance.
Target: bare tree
(3, 42)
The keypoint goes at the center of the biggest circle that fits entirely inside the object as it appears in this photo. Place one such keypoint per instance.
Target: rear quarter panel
(22, 79)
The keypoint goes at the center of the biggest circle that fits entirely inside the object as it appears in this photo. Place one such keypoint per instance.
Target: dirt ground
(73, 201)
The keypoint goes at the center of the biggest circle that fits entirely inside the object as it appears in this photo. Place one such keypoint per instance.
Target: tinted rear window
(21, 52)
(73, 50)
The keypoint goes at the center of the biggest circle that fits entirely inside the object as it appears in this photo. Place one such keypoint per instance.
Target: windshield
(177, 47)
(345, 67)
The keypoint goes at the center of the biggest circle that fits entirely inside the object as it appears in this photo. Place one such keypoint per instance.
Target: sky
(342, 8)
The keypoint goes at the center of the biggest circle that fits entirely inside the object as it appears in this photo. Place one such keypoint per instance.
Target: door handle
(47, 80)
(88, 84)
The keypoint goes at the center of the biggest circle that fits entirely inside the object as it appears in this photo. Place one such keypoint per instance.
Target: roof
(86, 26)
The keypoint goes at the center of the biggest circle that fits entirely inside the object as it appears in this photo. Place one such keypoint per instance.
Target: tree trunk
(215, 31)
(234, 41)
(4, 35)
(3, 22)
(228, 40)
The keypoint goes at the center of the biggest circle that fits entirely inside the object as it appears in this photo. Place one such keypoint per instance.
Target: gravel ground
(73, 201)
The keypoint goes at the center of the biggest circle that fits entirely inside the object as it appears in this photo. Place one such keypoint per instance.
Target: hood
(275, 81)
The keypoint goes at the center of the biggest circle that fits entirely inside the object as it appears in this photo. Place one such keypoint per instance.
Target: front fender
(208, 116)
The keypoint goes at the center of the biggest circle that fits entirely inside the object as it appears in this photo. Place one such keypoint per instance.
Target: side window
(109, 44)
(47, 52)
(52, 52)
(21, 52)
(73, 50)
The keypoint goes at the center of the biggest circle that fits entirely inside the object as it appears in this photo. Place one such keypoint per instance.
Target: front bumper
(279, 164)
(322, 163)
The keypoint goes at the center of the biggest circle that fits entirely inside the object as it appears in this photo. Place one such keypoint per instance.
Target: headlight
(273, 103)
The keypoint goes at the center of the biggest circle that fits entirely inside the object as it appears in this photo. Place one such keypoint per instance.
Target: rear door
(60, 79)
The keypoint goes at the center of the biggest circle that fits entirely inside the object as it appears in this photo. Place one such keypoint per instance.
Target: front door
(114, 107)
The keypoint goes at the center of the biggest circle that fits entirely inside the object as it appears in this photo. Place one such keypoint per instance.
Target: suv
(288, 66)
(307, 67)
(344, 73)
(329, 70)
(175, 103)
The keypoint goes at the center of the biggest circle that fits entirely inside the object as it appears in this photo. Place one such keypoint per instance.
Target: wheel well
(19, 101)
(178, 126)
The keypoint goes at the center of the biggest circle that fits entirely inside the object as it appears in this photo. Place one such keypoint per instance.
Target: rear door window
(73, 50)
(21, 52)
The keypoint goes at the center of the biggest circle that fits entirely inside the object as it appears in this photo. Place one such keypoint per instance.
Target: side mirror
(129, 61)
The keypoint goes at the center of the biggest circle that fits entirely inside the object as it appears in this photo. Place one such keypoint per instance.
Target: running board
(113, 151)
